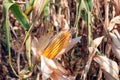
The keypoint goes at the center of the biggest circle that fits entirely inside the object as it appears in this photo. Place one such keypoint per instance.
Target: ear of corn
(56, 45)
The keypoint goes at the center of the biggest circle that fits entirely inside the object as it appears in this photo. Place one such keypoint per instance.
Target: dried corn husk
(51, 47)
(108, 66)
(50, 69)
(46, 71)
(39, 45)
(69, 46)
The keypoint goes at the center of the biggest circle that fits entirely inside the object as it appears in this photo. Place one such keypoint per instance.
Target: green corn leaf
(84, 15)
(38, 7)
(20, 16)
(29, 6)
(24, 72)
(28, 10)
(90, 4)
(7, 32)
(78, 13)
(87, 4)
(31, 2)
(28, 50)
(46, 11)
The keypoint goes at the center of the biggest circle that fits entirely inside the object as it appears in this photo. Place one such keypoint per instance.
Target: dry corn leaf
(109, 67)
(113, 22)
(96, 42)
(116, 51)
(117, 33)
(116, 4)
(115, 45)
(57, 76)
(34, 45)
(92, 50)
(115, 39)
(60, 22)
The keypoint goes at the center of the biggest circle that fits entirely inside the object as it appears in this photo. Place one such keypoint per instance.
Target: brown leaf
(96, 42)
(92, 50)
(109, 67)
(115, 45)
(34, 45)
(116, 4)
(115, 40)
(113, 22)
(116, 51)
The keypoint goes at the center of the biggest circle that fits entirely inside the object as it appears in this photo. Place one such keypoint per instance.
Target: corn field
(59, 40)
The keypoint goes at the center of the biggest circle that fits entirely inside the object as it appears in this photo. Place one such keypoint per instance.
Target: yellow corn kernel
(56, 45)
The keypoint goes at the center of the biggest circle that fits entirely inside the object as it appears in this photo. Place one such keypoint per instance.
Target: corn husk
(69, 46)
(53, 45)
(50, 70)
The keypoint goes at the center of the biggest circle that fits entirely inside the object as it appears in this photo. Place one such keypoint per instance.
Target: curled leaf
(115, 45)
(25, 73)
(113, 22)
(115, 40)
(20, 16)
(108, 66)
(116, 51)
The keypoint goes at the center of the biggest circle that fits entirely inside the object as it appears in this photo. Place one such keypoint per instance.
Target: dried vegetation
(60, 39)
